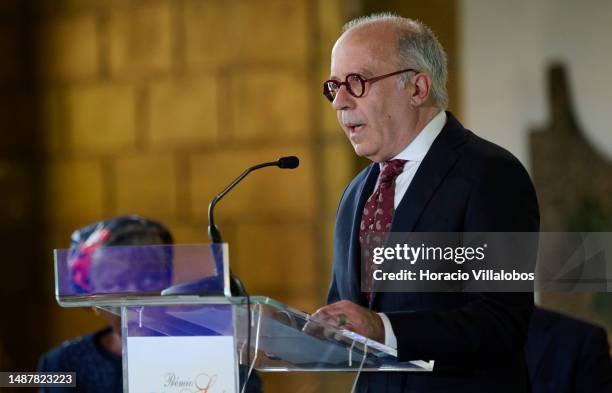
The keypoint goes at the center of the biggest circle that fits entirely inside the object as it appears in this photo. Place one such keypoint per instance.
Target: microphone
(289, 162)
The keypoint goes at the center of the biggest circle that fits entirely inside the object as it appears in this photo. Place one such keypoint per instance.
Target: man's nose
(343, 99)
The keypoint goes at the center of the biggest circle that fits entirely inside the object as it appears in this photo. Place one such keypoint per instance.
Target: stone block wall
(152, 107)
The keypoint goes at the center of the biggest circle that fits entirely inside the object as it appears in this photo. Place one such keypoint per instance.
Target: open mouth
(355, 128)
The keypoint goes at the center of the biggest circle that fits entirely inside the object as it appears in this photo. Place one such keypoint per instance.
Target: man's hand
(350, 316)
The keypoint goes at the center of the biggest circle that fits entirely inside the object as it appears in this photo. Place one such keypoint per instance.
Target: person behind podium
(428, 174)
(567, 355)
(96, 266)
(96, 357)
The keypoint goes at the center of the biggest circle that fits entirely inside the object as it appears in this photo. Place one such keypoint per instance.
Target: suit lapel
(435, 166)
(363, 193)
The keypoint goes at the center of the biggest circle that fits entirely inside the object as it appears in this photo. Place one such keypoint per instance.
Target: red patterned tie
(377, 217)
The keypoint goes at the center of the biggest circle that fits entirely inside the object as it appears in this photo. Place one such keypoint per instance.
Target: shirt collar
(418, 148)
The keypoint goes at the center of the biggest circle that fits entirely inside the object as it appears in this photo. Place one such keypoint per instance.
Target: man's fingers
(341, 307)
(332, 314)
(310, 328)
(344, 315)
(325, 318)
(350, 316)
(323, 312)
(344, 312)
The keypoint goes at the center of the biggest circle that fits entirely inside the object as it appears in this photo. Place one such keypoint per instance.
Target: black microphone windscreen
(289, 162)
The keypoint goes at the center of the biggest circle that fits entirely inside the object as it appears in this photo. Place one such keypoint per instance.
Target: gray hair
(417, 47)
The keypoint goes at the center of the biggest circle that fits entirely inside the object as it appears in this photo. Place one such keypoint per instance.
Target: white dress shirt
(413, 154)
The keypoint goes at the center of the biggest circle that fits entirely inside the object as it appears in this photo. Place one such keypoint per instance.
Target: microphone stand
(213, 232)
(237, 288)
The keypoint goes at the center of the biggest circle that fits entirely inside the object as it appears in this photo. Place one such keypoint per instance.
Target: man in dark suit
(566, 355)
(429, 174)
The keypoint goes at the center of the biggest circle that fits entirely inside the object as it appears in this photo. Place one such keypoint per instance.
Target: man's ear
(422, 88)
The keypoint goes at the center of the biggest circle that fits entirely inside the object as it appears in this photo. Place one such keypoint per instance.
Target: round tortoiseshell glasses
(355, 84)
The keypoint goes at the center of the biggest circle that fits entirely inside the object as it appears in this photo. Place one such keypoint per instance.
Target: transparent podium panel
(286, 339)
(183, 331)
(123, 275)
(280, 338)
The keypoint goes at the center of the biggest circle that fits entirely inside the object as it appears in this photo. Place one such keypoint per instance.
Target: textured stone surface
(331, 15)
(74, 191)
(141, 38)
(17, 192)
(146, 185)
(270, 103)
(101, 117)
(183, 111)
(68, 48)
(273, 256)
(220, 32)
(17, 125)
(281, 28)
(211, 35)
(338, 172)
(51, 128)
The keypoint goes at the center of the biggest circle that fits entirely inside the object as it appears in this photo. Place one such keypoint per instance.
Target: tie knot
(391, 170)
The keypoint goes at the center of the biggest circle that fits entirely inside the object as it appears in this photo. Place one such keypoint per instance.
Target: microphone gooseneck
(236, 286)
(289, 162)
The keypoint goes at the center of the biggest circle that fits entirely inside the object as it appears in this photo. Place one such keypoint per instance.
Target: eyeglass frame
(363, 82)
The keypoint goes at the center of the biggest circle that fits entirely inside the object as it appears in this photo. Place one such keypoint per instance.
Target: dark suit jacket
(566, 355)
(464, 184)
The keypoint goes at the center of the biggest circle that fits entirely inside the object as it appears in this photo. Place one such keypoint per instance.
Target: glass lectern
(183, 331)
